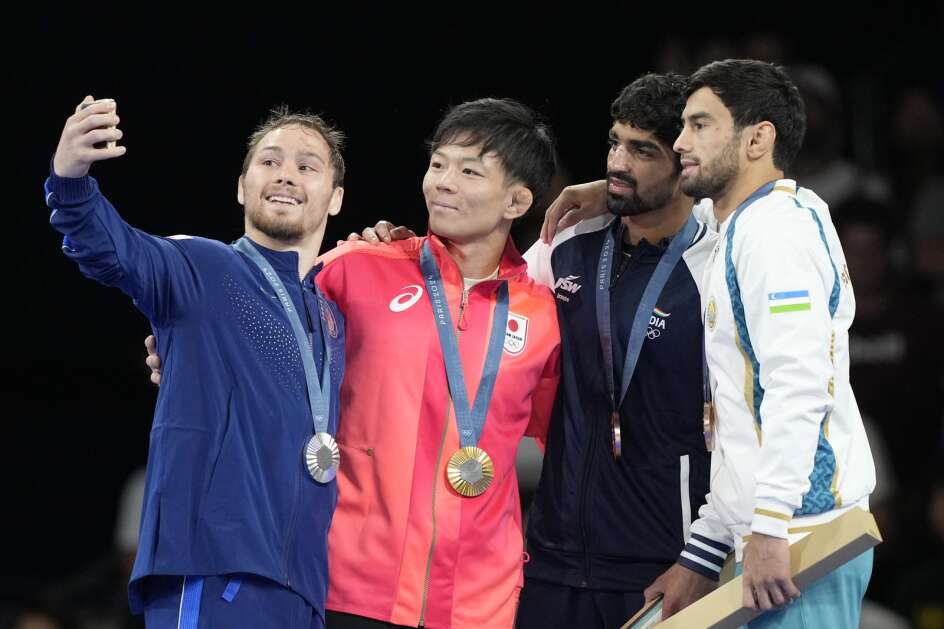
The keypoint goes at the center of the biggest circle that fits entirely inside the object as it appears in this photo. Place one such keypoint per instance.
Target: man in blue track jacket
(239, 491)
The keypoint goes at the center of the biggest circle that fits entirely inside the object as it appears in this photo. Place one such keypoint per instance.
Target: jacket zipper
(432, 543)
(463, 324)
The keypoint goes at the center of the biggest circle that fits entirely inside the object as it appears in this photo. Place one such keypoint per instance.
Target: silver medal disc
(322, 457)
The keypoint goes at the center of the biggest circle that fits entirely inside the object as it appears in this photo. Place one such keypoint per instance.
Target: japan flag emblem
(516, 334)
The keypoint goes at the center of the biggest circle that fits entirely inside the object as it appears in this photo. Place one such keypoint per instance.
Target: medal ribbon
(470, 421)
(319, 390)
(644, 310)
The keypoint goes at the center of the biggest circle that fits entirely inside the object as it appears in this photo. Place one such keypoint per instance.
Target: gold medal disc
(470, 471)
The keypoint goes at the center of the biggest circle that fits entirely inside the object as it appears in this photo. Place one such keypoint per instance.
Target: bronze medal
(615, 431)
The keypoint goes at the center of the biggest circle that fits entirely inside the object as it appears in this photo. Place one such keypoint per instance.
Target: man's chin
(282, 231)
(627, 209)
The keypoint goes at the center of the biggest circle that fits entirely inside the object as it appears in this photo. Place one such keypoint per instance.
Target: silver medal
(322, 457)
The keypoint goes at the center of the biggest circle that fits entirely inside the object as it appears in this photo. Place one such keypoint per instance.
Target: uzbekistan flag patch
(788, 301)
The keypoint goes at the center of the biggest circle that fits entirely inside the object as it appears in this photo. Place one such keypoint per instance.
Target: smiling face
(710, 146)
(288, 189)
(640, 171)
(466, 193)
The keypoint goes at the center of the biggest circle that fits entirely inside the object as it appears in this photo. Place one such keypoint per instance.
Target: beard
(282, 229)
(634, 204)
(714, 177)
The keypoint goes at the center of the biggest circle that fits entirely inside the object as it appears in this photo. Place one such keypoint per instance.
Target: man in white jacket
(790, 451)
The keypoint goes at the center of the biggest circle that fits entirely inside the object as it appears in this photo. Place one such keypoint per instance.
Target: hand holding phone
(101, 145)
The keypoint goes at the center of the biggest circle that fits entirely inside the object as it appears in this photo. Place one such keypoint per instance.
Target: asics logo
(410, 295)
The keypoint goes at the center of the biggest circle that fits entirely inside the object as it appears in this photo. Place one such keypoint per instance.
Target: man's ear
(240, 195)
(761, 140)
(334, 206)
(520, 202)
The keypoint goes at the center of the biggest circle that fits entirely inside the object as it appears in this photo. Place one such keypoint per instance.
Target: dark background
(192, 81)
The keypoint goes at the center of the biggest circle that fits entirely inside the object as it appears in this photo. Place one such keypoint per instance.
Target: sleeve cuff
(771, 518)
(704, 556)
(68, 190)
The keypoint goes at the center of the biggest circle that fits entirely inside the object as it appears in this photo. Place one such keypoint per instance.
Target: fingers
(763, 598)
(382, 230)
(670, 606)
(572, 217)
(747, 595)
(370, 235)
(95, 121)
(82, 105)
(95, 136)
(89, 107)
(552, 217)
(90, 155)
(385, 231)
(402, 233)
(95, 129)
(790, 589)
(652, 591)
(153, 361)
(776, 596)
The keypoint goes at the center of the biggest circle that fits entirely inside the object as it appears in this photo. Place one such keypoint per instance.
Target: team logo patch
(657, 323)
(516, 334)
(711, 313)
(410, 295)
(566, 286)
(330, 322)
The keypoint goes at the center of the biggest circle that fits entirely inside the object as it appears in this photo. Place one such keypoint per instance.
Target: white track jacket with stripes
(790, 447)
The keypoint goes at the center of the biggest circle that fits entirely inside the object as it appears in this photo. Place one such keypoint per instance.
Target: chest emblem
(516, 334)
(331, 323)
(657, 323)
(711, 313)
(410, 295)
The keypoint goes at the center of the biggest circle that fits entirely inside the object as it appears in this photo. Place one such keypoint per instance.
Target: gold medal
(617, 440)
(470, 471)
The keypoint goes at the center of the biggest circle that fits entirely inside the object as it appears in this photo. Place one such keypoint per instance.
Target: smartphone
(101, 145)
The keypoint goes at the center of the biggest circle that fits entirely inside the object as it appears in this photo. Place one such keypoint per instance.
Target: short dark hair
(654, 103)
(515, 133)
(281, 117)
(755, 91)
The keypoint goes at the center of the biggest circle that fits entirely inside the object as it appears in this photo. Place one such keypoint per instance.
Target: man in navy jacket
(235, 518)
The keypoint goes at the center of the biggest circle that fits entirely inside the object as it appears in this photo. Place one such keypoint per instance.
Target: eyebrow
(701, 115)
(477, 160)
(636, 144)
(277, 149)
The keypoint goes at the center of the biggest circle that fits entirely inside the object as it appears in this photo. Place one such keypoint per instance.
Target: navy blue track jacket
(227, 490)
(597, 522)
